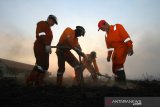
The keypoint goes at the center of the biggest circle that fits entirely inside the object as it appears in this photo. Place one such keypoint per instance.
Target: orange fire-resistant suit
(67, 39)
(118, 41)
(43, 37)
(91, 65)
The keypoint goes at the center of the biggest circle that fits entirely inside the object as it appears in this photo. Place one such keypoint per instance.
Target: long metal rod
(60, 47)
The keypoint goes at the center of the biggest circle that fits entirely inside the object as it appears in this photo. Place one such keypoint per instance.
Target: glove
(48, 49)
(79, 47)
(108, 58)
(130, 52)
(79, 52)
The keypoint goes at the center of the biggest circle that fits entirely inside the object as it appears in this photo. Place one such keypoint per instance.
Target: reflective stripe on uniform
(120, 69)
(115, 27)
(111, 49)
(42, 33)
(40, 68)
(126, 40)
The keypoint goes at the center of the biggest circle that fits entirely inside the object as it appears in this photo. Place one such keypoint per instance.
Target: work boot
(59, 80)
(79, 78)
(74, 84)
(32, 78)
(39, 81)
(121, 77)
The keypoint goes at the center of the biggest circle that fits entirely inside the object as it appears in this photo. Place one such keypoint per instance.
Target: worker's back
(68, 38)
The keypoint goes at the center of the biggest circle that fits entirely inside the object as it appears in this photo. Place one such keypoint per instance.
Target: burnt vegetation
(16, 94)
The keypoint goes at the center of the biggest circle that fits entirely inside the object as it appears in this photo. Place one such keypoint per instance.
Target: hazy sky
(141, 18)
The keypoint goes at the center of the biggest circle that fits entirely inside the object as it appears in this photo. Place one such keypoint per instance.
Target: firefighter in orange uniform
(119, 45)
(42, 49)
(69, 38)
(89, 62)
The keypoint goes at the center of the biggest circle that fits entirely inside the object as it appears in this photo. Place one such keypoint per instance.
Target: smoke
(143, 64)
(16, 47)
(146, 59)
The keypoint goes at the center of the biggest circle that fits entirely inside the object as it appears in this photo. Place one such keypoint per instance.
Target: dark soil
(13, 94)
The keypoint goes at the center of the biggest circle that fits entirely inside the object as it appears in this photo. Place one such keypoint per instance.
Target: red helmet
(100, 24)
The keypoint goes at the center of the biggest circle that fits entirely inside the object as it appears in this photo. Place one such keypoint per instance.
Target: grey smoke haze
(16, 47)
(146, 60)
(139, 17)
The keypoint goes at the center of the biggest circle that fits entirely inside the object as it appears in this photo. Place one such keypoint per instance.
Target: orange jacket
(44, 33)
(117, 37)
(68, 38)
(88, 61)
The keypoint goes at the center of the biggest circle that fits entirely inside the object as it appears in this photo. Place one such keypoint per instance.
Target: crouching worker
(42, 49)
(89, 63)
(69, 39)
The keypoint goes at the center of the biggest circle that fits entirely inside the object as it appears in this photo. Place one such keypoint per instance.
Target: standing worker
(42, 49)
(119, 45)
(69, 38)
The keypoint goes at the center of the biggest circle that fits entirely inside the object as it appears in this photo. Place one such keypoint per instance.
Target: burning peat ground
(14, 92)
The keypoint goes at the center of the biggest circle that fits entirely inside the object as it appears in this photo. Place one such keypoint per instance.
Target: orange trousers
(91, 69)
(35, 78)
(66, 56)
(119, 58)
(42, 63)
